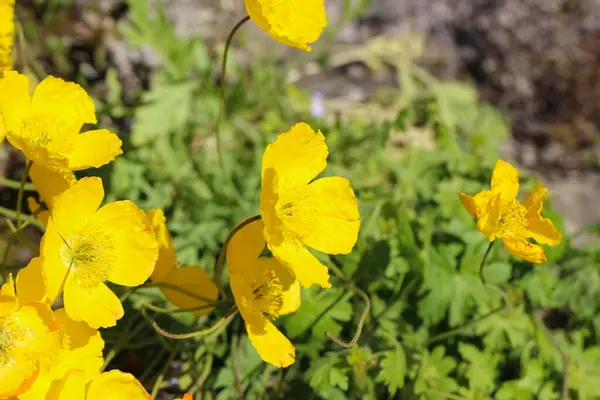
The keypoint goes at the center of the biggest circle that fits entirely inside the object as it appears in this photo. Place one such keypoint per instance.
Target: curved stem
(361, 322)
(20, 194)
(223, 252)
(204, 332)
(485, 256)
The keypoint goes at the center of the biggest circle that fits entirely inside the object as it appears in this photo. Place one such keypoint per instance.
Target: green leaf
(393, 369)
(482, 367)
(434, 372)
(323, 374)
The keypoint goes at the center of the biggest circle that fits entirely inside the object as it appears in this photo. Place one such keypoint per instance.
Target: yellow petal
(50, 184)
(97, 306)
(244, 300)
(290, 286)
(75, 206)
(94, 149)
(272, 346)
(36, 209)
(166, 253)
(192, 279)
(30, 283)
(187, 396)
(2, 129)
(468, 203)
(539, 228)
(325, 215)
(8, 297)
(505, 179)
(245, 246)
(14, 100)
(66, 101)
(53, 267)
(136, 250)
(525, 250)
(293, 22)
(294, 255)
(69, 387)
(297, 157)
(489, 217)
(116, 385)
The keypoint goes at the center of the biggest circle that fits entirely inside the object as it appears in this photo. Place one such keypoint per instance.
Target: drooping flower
(299, 212)
(263, 290)
(294, 23)
(192, 279)
(7, 33)
(85, 246)
(30, 338)
(45, 126)
(500, 215)
(49, 184)
(111, 385)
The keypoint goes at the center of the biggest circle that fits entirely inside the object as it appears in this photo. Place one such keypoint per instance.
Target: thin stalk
(21, 192)
(9, 183)
(361, 321)
(459, 329)
(204, 332)
(7, 212)
(161, 377)
(485, 256)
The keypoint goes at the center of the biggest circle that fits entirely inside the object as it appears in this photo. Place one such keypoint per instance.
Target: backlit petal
(505, 179)
(539, 228)
(53, 266)
(290, 286)
(192, 279)
(244, 300)
(94, 149)
(272, 346)
(525, 250)
(97, 306)
(293, 254)
(30, 283)
(14, 100)
(136, 250)
(489, 217)
(116, 385)
(75, 206)
(246, 246)
(297, 157)
(166, 253)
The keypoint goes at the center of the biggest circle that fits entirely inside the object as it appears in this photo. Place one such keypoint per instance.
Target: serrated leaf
(481, 369)
(393, 369)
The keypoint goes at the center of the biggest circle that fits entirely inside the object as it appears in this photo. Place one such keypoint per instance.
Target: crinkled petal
(53, 267)
(74, 207)
(289, 285)
(116, 385)
(292, 253)
(272, 346)
(166, 253)
(97, 306)
(291, 22)
(14, 101)
(136, 248)
(30, 283)
(192, 279)
(539, 228)
(525, 250)
(94, 149)
(297, 157)
(505, 179)
(246, 246)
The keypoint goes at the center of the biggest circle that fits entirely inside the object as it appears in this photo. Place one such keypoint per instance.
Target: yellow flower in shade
(85, 246)
(299, 212)
(192, 279)
(30, 338)
(292, 22)
(500, 215)
(49, 184)
(7, 33)
(187, 396)
(263, 290)
(112, 385)
(45, 126)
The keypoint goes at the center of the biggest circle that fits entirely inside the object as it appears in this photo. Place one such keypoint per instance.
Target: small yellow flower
(30, 339)
(112, 385)
(7, 33)
(192, 279)
(291, 22)
(45, 126)
(299, 211)
(187, 396)
(85, 245)
(263, 290)
(500, 215)
(49, 184)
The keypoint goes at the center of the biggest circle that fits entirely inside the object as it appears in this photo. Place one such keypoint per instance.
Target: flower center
(513, 219)
(90, 254)
(268, 296)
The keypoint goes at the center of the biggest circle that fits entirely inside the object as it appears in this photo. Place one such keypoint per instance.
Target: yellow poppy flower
(322, 214)
(263, 289)
(291, 22)
(7, 33)
(192, 279)
(30, 340)
(45, 126)
(500, 215)
(112, 385)
(49, 184)
(85, 245)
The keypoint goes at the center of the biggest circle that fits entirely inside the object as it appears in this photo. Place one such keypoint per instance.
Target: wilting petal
(245, 247)
(525, 250)
(166, 253)
(194, 280)
(14, 100)
(297, 157)
(74, 207)
(97, 306)
(308, 270)
(505, 179)
(116, 385)
(272, 346)
(94, 149)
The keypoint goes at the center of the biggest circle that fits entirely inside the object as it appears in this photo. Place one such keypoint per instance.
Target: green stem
(21, 192)
(223, 252)
(19, 236)
(9, 183)
(161, 377)
(7, 212)
(459, 329)
(361, 321)
(122, 343)
(204, 332)
(485, 256)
